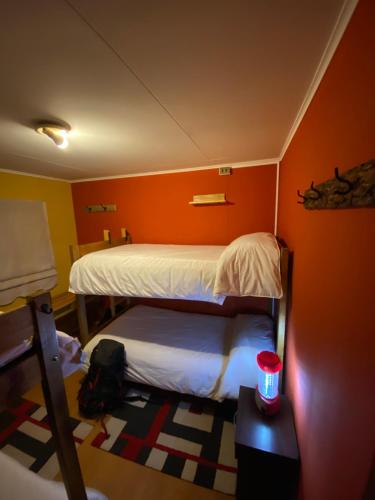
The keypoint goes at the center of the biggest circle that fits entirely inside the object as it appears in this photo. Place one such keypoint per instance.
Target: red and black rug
(186, 437)
(25, 435)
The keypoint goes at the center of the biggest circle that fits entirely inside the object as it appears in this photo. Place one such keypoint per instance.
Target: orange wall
(331, 331)
(155, 208)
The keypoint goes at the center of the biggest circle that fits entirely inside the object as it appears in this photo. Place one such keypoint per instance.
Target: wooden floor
(119, 478)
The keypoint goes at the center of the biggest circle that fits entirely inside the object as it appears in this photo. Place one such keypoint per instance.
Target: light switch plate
(225, 170)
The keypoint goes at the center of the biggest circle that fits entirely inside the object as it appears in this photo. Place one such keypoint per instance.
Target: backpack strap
(104, 427)
(129, 399)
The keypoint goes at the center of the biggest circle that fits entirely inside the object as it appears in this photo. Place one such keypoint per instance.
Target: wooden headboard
(78, 251)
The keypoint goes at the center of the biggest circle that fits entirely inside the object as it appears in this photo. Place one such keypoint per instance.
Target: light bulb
(65, 143)
(57, 133)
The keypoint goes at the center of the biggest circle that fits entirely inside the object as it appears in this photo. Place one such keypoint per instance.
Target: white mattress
(143, 270)
(204, 355)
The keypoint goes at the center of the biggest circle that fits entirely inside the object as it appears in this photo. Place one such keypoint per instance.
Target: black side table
(266, 450)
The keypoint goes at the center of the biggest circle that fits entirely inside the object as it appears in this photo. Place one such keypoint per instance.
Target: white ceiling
(155, 85)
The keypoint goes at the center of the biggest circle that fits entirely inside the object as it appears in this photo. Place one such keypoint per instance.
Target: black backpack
(103, 388)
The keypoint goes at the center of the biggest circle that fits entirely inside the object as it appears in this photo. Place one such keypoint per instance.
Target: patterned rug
(186, 437)
(25, 436)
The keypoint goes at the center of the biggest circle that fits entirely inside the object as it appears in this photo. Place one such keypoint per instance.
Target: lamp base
(266, 406)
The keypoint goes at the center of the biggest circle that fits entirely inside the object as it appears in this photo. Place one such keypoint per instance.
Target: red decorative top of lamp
(269, 362)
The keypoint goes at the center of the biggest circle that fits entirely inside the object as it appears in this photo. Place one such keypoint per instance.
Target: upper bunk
(253, 265)
(248, 266)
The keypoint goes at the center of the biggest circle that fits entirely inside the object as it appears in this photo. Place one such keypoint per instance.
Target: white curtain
(27, 263)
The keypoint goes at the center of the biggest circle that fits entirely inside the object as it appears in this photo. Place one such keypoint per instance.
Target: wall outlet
(225, 170)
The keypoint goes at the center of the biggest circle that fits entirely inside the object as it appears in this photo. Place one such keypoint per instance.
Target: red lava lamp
(267, 392)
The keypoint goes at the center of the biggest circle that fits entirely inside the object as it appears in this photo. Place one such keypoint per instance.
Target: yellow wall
(58, 198)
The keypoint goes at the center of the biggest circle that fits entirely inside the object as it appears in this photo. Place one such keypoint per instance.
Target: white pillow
(252, 333)
(250, 266)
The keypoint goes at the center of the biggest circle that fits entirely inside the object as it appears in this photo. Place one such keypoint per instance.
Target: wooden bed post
(82, 319)
(112, 306)
(45, 344)
(282, 310)
(76, 252)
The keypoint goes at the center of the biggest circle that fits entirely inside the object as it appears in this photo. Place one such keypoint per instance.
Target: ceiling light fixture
(58, 133)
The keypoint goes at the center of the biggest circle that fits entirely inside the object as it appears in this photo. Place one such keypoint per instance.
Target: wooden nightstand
(266, 450)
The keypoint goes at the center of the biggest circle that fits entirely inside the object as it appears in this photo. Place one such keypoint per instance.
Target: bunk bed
(21, 373)
(162, 346)
(27, 269)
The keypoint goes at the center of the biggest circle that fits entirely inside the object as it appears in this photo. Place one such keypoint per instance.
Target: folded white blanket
(250, 266)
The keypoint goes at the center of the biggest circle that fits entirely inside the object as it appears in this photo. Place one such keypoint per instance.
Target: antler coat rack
(353, 188)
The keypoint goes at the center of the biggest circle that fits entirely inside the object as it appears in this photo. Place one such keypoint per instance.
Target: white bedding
(69, 352)
(204, 355)
(17, 482)
(248, 266)
(142, 270)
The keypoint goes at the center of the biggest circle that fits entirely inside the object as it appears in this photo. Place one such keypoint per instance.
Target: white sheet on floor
(142, 270)
(17, 482)
(189, 353)
(69, 352)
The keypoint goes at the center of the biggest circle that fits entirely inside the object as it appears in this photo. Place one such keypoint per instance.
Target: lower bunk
(198, 354)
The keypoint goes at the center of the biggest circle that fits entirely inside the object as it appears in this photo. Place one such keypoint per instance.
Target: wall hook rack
(354, 188)
(301, 196)
(312, 188)
(344, 181)
(101, 208)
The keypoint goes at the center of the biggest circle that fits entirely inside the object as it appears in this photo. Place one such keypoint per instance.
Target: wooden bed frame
(36, 320)
(277, 307)
(78, 251)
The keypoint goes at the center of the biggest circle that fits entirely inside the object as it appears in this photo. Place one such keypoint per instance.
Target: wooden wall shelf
(208, 199)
